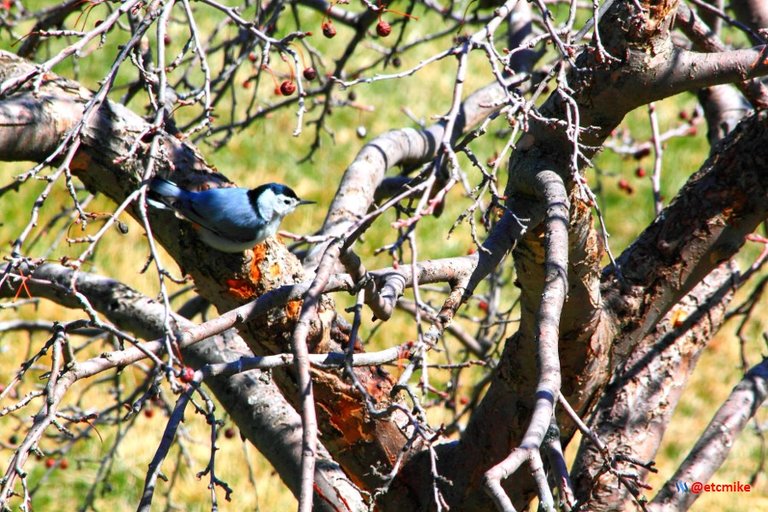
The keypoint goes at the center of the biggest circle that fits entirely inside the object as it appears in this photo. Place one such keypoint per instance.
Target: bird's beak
(302, 201)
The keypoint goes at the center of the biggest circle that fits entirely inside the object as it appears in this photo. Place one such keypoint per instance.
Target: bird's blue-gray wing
(226, 212)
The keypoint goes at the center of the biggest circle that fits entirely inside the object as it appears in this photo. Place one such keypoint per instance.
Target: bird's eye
(286, 201)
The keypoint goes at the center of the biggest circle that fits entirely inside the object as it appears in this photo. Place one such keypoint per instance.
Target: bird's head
(275, 200)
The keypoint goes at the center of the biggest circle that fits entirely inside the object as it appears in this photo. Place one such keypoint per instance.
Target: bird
(229, 219)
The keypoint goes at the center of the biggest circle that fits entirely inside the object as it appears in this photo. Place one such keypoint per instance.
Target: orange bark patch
(374, 388)
(348, 418)
(242, 289)
(678, 317)
(292, 310)
(80, 163)
(259, 254)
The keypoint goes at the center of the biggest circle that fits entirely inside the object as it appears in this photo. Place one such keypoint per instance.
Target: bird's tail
(165, 188)
(163, 192)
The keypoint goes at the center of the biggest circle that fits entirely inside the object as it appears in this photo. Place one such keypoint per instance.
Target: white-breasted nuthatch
(228, 219)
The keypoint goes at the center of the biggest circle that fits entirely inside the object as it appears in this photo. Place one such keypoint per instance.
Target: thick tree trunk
(648, 68)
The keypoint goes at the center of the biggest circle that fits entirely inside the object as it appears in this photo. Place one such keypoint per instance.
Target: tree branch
(716, 441)
(548, 328)
(269, 422)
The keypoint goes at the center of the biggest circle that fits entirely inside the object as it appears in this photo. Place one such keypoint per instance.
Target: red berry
(246, 84)
(383, 28)
(329, 30)
(50, 462)
(683, 115)
(149, 412)
(483, 305)
(310, 73)
(229, 433)
(187, 375)
(287, 88)
(167, 39)
(397, 62)
(64, 464)
(252, 57)
(693, 131)
(640, 172)
(625, 186)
